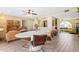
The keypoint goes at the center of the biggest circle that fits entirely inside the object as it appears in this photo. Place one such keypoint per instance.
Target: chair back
(39, 40)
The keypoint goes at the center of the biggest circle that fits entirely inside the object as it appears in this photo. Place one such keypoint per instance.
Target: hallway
(64, 42)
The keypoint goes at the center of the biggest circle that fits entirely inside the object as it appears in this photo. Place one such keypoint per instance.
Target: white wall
(28, 24)
(49, 21)
(35, 22)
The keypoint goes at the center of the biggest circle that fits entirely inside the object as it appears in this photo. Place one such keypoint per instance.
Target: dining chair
(10, 35)
(27, 42)
(38, 42)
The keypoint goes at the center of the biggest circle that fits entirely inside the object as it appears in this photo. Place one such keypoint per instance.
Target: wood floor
(63, 42)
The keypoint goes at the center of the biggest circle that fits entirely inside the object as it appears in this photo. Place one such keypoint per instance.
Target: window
(65, 24)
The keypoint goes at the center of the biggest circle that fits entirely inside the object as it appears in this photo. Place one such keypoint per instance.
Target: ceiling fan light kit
(30, 12)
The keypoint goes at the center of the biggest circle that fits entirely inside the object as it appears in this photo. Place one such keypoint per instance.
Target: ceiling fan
(30, 12)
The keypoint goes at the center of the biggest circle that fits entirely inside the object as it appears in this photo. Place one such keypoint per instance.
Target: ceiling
(41, 11)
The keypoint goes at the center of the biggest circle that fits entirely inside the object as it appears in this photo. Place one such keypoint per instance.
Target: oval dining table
(31, 33)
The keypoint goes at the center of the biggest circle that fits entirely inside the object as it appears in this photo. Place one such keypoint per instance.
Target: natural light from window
(65, 24)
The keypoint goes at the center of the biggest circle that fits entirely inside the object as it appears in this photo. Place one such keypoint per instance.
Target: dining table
(30, 34)
(43, 31)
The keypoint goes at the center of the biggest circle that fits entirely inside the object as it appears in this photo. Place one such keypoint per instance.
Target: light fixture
(29, 12)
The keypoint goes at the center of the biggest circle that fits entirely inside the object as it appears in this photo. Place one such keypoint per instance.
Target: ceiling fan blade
(34, 13)
(26, 13)
(66, 10)
(23, 10)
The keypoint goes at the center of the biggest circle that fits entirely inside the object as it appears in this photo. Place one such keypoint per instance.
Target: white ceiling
(41, 11)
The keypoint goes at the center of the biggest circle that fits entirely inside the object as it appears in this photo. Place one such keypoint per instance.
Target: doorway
(66, 26)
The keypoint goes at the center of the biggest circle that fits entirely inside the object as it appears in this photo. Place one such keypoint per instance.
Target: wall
(28, 23)
(73, 22)
(14, 18)
(3, 21)
(3, 26)
(49, 20)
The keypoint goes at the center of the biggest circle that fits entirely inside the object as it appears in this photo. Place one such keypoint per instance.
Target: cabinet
(12, 25)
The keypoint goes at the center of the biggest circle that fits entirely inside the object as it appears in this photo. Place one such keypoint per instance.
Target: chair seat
(35, 48)
(38, 43)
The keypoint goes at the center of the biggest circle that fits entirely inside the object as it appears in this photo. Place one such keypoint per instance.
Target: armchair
(10, 35)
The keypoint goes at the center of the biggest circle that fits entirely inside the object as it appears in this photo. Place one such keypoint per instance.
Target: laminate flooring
(63, 42)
